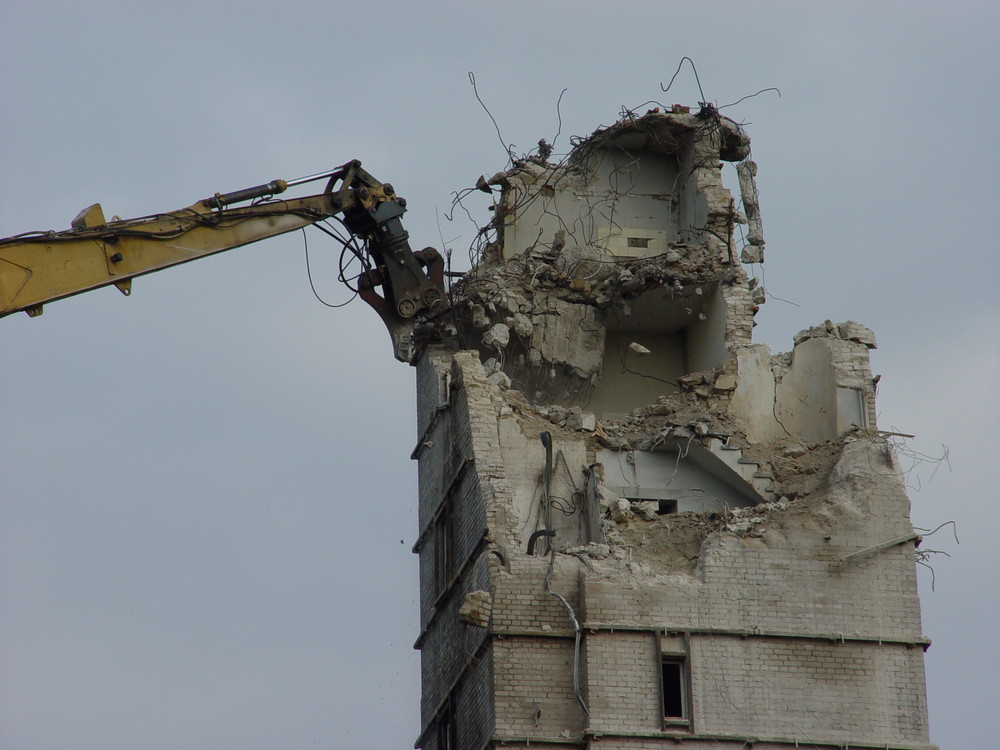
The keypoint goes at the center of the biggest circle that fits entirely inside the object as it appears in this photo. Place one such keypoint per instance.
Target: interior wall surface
(664, 475)
(585, 205)
(628, 379)
(705, 336)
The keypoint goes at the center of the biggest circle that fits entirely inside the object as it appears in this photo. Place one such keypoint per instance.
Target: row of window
(674, 699)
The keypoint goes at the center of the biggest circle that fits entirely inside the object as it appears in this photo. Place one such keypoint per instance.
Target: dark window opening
(444, 547)
(638, 242)
(666, 507)
(673, 689)
(447, 728)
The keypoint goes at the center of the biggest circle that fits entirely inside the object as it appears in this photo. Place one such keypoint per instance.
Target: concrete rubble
(593, 395)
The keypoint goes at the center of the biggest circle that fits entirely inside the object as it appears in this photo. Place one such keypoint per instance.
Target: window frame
(681, 683)
(444, 546)
(447, 726)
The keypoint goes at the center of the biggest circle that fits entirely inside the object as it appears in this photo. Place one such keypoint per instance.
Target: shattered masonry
(639, 529)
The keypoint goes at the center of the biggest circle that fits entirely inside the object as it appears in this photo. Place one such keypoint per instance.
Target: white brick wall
(787, 641)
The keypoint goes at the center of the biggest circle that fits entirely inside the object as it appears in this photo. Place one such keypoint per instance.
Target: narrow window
(673, 689)
(444, 547)
(444, 389)
(447, 727)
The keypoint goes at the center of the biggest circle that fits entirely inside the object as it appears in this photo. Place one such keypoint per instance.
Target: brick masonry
(792, 623)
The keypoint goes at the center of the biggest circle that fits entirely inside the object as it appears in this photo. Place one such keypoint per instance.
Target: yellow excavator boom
(40, 267)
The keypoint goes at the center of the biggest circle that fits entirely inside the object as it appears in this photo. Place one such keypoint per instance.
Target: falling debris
(666, 565)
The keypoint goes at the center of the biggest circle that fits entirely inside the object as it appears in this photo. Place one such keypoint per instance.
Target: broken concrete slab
(476, 609)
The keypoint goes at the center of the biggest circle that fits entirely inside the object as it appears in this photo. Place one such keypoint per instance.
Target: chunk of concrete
(621, 510)
(586, 262)
(498, 336)
(499, 378)
(752, 254)
(476, 609)
(852, 331)
(579, 420)
(521, 324)
(646, 510)
(480, 320)
(593, 549)
(726, 382)
(746, 171)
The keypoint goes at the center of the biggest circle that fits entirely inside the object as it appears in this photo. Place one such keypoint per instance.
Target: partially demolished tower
(637, 528)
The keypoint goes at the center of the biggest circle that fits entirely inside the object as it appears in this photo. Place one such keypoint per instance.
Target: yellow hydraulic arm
(39, 267)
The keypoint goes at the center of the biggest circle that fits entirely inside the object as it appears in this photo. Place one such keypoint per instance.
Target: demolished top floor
(612, 276)
(635, 190)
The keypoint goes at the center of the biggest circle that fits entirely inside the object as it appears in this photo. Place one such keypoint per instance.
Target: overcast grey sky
(206, 501)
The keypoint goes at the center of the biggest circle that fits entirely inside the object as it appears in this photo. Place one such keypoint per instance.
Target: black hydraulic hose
(534, 537)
